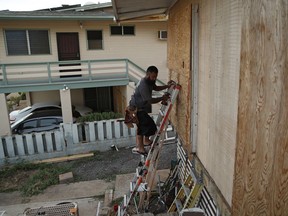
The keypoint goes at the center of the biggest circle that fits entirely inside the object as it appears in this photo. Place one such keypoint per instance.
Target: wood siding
(261, 169)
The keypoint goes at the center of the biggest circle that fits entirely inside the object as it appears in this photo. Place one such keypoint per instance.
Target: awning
(125, 10)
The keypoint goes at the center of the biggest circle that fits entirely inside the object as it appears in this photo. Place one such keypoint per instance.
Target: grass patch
(30, 179)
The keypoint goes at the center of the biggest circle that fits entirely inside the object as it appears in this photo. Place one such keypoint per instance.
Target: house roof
(66, 12)
(125, 10)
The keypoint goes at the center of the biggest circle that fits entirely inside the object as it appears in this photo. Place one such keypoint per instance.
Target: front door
(68, 50)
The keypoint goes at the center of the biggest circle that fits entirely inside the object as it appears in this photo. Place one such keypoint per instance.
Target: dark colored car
(39, 121)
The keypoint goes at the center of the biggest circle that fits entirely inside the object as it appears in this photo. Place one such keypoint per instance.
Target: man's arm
(160, 88)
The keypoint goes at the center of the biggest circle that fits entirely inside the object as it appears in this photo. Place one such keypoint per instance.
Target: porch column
(65, 97)
(4, 116)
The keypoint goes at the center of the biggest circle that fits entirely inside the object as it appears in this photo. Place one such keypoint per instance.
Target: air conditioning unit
(162, 35)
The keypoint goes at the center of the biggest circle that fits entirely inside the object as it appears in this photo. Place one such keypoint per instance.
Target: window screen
(27, 42)
(16, 42)
(128, 30)
(39, 42)
(95, 39)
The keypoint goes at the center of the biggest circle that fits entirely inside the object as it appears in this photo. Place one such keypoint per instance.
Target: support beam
(5, 123)
(66, 105)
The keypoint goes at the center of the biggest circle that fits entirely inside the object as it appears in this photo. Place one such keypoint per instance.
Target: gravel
(106, 165)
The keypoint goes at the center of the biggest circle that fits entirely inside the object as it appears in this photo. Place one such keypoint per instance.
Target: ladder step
(143, 187)
(187, 190)
(179, 205)
(131, 186)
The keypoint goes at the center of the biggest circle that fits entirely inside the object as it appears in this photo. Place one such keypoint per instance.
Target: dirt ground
(103, 165)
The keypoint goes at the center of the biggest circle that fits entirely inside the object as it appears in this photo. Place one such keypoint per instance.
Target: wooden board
(261, 170)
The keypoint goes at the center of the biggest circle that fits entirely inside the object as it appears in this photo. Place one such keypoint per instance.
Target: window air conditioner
(162, 35)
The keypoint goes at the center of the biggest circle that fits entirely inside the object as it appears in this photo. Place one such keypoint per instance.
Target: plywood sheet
(219, 56)
(261, 170)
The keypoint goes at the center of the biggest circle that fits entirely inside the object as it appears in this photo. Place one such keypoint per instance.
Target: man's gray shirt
(142, 95)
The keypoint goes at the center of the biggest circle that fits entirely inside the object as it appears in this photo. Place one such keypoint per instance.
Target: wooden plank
(261, 168)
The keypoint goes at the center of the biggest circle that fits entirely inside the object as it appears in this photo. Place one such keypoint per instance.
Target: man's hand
(170, 83)
(165, 98)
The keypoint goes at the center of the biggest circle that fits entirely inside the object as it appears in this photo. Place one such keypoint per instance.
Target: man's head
(151, 74)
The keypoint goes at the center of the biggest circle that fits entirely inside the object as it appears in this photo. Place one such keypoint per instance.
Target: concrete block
(108, 197)
(66, 178)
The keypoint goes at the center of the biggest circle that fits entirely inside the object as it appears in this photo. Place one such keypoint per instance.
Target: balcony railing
(75, 73)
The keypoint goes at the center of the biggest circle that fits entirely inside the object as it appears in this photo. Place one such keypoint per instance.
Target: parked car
(38, 121)
(18, 114)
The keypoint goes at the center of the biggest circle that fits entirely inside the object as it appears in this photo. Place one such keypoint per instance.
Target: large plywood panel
(218, 90)
(179, 43)
(261, 170)
(219, 45)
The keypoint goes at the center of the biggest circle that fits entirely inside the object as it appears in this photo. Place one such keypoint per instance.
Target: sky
(26, 5)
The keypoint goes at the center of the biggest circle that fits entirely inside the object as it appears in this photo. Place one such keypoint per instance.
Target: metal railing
(54, 74)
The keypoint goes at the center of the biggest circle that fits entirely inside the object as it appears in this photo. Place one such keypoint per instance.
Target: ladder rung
(132, 185)
(161, 113)
(142, 187)
(186, 190)
(179, 205)
(125, 200)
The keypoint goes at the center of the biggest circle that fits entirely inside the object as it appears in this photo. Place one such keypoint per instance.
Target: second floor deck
(43, 76)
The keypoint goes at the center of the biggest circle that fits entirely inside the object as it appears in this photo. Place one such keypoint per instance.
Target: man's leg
(147, 141)
(140, 144)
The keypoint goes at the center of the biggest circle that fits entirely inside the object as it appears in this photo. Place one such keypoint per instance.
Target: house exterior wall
(77, 96)
(219, 56)
(144, 49)
(242, 120)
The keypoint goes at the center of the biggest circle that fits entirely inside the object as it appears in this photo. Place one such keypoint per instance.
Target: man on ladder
(142, 101)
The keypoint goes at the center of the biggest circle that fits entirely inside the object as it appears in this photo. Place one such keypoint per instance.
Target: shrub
(99, 116)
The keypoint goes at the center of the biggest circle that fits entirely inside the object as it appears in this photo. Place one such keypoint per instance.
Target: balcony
(43, 76)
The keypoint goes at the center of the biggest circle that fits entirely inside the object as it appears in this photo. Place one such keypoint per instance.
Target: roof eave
(23, 17)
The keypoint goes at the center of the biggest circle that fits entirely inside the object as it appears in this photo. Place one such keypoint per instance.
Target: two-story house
(76, 55)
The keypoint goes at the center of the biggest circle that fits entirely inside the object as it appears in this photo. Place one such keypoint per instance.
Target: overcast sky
(26, 5)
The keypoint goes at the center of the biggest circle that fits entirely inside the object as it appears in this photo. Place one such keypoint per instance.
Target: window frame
(122, 30)
(28, 41)
(102, 41)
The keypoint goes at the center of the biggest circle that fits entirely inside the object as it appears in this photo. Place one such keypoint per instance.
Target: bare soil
(103, 165)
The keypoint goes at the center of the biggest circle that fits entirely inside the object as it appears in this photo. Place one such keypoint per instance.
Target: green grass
(30, 179)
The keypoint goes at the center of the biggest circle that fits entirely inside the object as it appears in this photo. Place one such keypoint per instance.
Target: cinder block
(66, 178)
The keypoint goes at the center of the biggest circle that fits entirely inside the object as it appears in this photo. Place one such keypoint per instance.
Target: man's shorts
(146, 126)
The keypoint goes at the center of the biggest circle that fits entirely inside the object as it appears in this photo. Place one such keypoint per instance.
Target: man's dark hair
(152, 69)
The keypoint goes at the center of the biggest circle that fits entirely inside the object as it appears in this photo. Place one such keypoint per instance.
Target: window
(95, 40)
(122, 30)
(29, 124)
(27, 42)
(48, 122)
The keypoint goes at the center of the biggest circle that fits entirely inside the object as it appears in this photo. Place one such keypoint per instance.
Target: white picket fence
(70, 139)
